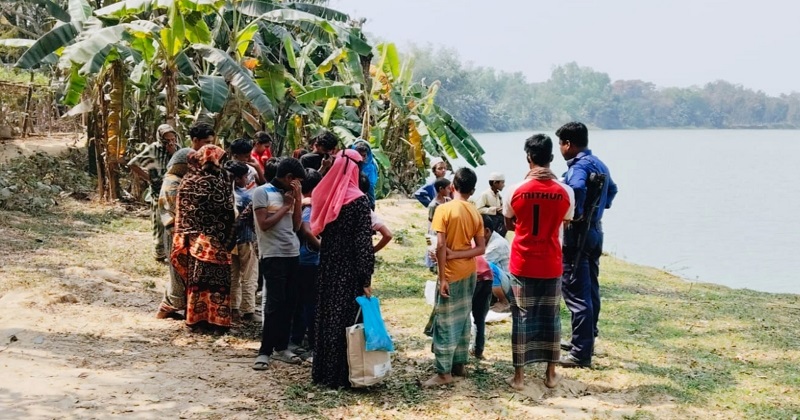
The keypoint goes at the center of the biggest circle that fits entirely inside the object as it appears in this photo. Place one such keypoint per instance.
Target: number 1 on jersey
(535, 220)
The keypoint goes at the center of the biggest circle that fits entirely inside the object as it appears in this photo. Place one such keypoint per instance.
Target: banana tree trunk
(171, 84)
(115, 143)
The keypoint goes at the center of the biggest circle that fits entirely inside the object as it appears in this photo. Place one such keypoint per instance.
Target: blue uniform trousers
(582, 292)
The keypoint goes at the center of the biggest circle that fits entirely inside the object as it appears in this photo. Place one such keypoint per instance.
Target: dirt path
(53, 144)
(78, 339)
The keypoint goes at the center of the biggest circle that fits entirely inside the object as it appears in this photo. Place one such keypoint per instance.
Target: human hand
(499, 209)
(288, 198)
(444, 288)
(297, 190)
(327, 162)
(448, 253)
(368, 292)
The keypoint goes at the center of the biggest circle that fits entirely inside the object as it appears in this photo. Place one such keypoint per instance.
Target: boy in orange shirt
(457, 224)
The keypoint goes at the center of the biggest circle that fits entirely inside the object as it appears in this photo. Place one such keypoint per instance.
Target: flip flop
(286, 357)
(261, 363)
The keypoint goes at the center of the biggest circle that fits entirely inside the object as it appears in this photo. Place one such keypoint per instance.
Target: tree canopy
(486, 99)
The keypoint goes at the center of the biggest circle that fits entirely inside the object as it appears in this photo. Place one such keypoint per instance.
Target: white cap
(496, 176)
(435, 161)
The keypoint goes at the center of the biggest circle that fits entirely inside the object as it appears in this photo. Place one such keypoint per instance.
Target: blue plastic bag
(377, 339)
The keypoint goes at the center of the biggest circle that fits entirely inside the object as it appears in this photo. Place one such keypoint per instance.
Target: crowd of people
(232, 223)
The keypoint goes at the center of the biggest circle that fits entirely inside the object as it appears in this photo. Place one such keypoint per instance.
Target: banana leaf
(97, 62)
(17, 42)
(237, 76)
(256, 8)
(356, 42)
(196, 29)
(391, 62)
(79, 10)
(434, 124)
(53, 9)
(91, 43)
(52, 41)
(321, 11)
(323, 93)
(345, 135)
(75, 87)
(213, 92)
(330, 106)
(185, 65)
(273, 82)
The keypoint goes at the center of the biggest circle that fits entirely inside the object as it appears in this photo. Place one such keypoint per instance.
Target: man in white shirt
(490, 202)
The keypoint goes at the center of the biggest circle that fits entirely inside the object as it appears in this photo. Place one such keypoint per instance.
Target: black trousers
(306, 310)
(279, 275)
(480, 307)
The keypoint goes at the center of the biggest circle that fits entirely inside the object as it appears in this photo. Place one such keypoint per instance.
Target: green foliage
(29, 183)
(485, 99)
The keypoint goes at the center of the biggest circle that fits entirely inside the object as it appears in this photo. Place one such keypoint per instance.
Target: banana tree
(410, 126)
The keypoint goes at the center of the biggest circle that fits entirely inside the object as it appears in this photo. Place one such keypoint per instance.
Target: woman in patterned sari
(204, 234)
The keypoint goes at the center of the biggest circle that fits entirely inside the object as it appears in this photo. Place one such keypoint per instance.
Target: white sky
(681, 43)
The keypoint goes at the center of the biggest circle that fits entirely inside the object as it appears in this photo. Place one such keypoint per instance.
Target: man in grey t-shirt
(278, 216)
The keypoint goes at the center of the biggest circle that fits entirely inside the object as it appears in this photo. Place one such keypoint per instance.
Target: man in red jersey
(536, 210)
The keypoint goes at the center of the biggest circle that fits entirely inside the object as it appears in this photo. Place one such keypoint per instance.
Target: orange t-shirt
(460, 222)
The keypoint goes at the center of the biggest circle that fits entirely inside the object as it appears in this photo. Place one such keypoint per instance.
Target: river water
(718, 206)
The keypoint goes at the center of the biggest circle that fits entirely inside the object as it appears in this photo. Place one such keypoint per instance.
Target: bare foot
(438, 380)
(518, 385)
(552, 382)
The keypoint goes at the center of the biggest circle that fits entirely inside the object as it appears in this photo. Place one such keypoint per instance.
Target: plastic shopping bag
(374, 328)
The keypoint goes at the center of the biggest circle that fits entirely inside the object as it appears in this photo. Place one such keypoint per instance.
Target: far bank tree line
(485, 99)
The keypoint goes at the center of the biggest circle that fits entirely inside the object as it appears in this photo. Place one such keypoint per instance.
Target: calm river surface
(718, 206)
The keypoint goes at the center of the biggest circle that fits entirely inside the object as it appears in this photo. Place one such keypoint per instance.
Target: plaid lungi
(536, 321)
(451, 325)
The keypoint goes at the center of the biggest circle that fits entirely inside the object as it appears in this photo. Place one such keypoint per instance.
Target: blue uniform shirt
(579, 169)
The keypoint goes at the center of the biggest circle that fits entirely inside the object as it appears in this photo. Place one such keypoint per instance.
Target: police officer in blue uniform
(580, 287)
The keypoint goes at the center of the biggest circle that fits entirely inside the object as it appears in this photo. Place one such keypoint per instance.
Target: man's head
(289, 169)
(464, 182)
(573, 138)
(539, 150)
(271, 168)
(488, 226)
(438, 167)
(310, 182)
(497, 181)
(238, 171)
(201, 135)
(263, 141)
(442, 187)
(168, 137)
(325, 143)
(363, 149)
(241, 149)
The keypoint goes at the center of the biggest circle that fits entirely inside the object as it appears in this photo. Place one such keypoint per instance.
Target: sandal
(287, 356)
(297, 349)
(261, 363)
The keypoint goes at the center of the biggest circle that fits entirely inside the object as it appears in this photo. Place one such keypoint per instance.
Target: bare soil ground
(53, 144)
(78, 339)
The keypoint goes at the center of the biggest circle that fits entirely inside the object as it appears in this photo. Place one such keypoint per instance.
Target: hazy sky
(755, 43)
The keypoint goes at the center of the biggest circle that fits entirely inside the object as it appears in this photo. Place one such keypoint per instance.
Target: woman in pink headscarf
(340, 213)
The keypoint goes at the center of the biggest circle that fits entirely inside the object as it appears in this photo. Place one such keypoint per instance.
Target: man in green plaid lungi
(536, 210)
(457, 224)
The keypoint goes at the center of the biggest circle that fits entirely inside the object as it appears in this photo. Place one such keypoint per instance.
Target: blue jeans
(582, 292)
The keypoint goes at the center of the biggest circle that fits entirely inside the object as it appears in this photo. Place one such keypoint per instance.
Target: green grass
(672, 349)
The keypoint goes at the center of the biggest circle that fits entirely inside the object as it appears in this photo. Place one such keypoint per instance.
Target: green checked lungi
(536, 321)
(451, 325)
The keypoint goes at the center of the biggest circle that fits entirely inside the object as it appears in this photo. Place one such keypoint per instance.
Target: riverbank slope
(78, 338)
